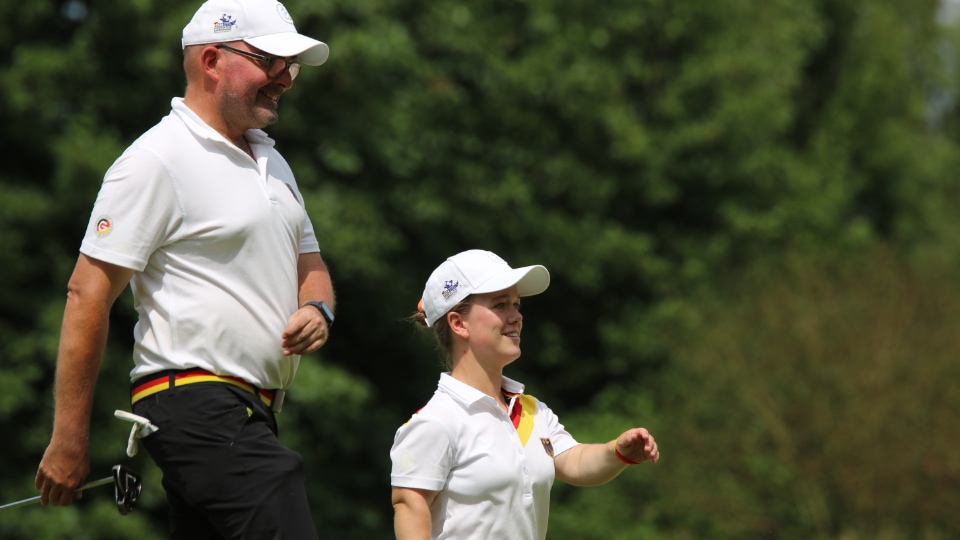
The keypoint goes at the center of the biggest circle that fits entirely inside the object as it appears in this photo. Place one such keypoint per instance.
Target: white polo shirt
(214, 237)
(493, 479)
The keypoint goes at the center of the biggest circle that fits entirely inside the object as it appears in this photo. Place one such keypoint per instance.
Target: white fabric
(141, 428)
(214, 237)
(465, 446)
(477, 271)
(265, 24)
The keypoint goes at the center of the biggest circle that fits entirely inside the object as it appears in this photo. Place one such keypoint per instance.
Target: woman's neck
(485, 379)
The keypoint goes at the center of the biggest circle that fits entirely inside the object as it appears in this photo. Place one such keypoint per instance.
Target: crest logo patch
(104, 226)
(547, 446)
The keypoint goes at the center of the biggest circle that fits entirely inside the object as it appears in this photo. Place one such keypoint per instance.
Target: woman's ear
(458, 325)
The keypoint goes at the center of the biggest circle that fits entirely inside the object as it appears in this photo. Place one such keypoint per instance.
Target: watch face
(325, 311)
(327, 314)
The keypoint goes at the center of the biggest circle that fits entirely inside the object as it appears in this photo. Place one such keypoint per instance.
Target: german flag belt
(153, 384)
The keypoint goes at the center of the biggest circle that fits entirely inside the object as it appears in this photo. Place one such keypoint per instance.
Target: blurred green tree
(823, 406)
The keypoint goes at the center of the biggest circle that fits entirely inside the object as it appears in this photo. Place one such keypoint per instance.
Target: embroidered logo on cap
(449, 288)
(104, 226)
(284, 14)
(225, 24)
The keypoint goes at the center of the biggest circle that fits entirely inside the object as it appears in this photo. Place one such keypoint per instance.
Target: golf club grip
(31, 500)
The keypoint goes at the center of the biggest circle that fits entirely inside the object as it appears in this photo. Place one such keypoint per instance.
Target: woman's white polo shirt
(493, 479)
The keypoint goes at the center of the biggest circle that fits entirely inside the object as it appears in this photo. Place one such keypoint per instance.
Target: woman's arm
(411, 513)
(595, 464)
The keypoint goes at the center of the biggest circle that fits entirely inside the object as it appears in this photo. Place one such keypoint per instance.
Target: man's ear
(210, 62)
(458, 325)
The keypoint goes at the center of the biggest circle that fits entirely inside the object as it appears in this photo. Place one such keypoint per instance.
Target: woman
(479, 459)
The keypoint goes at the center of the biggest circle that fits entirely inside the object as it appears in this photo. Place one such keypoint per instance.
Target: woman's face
(494, 322)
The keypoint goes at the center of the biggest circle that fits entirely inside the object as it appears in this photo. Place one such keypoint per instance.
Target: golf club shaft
(31, 500)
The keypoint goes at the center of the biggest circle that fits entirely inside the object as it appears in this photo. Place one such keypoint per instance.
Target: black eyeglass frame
(269, 60)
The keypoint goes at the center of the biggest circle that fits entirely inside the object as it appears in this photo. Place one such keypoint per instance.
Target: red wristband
(621, 456)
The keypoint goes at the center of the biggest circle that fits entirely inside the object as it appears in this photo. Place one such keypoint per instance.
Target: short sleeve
(308, 240)
(560, 438)
(422, 455)
(137, 210)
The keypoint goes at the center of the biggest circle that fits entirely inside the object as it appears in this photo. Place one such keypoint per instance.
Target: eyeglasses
(275, 66)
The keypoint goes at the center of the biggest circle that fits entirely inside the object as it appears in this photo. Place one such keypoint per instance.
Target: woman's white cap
(477, 272)
(265, 24)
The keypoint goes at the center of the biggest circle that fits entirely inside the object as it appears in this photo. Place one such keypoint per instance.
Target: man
(203, 218)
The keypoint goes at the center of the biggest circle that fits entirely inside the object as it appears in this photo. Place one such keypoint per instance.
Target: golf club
(126, 490)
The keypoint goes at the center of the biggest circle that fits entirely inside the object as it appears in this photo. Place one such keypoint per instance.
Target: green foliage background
(745, 206)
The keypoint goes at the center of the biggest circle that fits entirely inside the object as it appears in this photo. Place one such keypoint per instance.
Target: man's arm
(91, 292)
(307, 330)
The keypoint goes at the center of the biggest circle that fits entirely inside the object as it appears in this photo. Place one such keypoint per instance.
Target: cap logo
(104, 226)
(225, 24)
(449, 288)
(284, 14)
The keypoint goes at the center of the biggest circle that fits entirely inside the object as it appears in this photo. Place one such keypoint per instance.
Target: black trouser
(225, 472)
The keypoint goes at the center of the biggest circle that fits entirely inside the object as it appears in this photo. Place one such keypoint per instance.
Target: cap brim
(307, 50)
(530, 280)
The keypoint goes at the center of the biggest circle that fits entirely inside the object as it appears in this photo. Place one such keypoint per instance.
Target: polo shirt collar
(201, 128)
(469, 395)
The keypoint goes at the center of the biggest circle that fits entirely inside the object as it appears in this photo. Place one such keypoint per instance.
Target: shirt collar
(201, 128)
(469, 395)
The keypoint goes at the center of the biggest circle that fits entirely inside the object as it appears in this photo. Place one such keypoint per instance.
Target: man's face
(247, 96)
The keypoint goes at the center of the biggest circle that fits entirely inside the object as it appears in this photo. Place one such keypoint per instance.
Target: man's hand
(306, 332)
(62, 470)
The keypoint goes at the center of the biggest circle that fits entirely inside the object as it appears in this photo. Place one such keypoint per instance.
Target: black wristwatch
(324, 310)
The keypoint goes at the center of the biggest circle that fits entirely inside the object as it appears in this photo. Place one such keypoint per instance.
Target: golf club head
(126, 488)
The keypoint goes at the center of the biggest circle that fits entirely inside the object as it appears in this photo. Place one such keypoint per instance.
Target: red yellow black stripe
(193, 376)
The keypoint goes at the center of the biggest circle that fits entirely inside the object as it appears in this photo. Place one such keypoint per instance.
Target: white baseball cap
(477, 272)
(265, 24)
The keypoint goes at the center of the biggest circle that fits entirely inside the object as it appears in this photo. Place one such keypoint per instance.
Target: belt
(153, 384)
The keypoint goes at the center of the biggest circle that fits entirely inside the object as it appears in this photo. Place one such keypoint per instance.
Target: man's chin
(266, 118)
